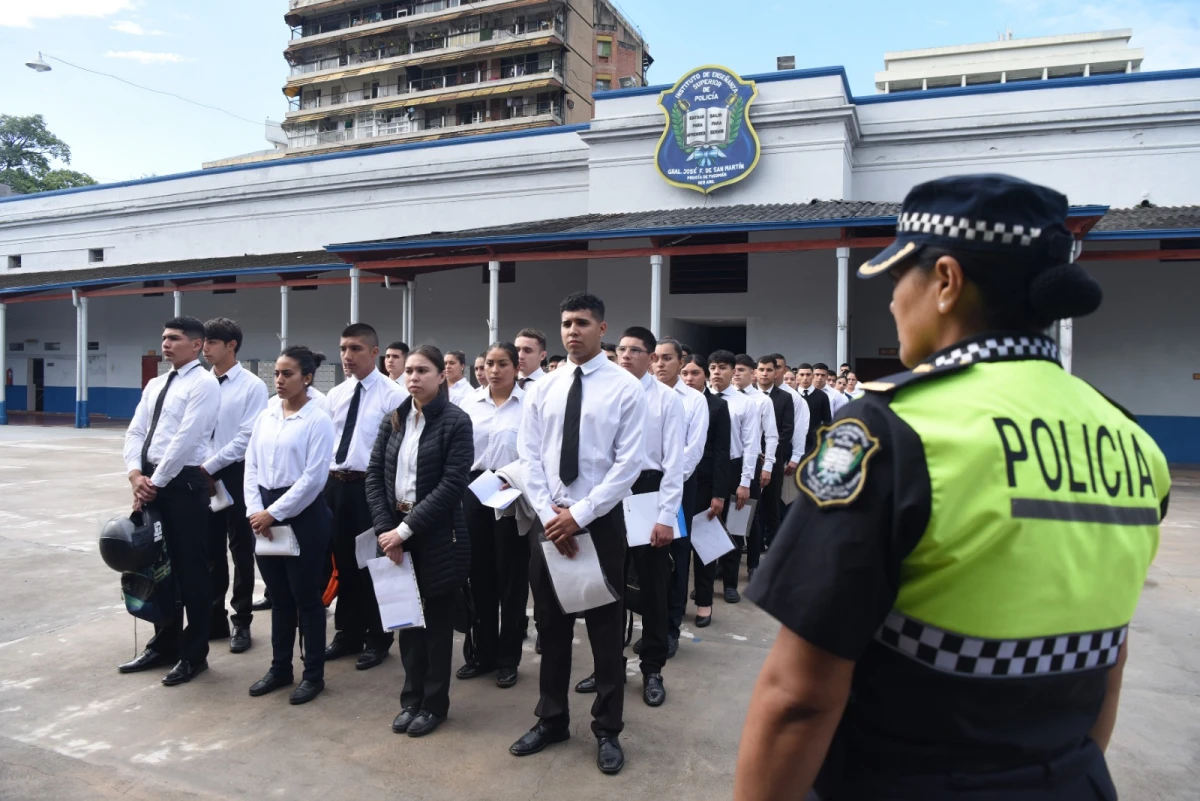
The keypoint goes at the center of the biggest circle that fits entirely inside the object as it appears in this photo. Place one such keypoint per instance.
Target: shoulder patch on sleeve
(922, 372)
(835, 472)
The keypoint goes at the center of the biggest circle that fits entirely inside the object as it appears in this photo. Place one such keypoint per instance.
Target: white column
(1087, 70)
(1066, 342)
(284, 294)
(178, 303)
(410, 298)
(3, 364)
(404, 312)
(656, 265)
(493, 302)
(843, 304)
(82, 420)
(354, 274)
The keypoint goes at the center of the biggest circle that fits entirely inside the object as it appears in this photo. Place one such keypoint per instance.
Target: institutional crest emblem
(833, 475)
(709, 141)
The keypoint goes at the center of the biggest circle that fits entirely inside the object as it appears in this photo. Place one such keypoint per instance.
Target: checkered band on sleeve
(970, 230)
(1000, 349)
(970, 656)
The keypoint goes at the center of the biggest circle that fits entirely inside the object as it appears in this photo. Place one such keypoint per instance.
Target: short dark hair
(722, 357)
(362, 331)
(644, 334)
(776, 357)
(686, 348)
(744, 360)
(674, 343)
(769, 359)
(556, 358)
(699, 361)
(222, 329)
(820, 366)
(583, 301)
(804, 366)
(533, 333)
(606, 346)
(398, 345)
(844, 364)
(190, 326)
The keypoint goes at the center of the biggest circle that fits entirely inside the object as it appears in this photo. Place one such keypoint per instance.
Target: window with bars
(711, 273)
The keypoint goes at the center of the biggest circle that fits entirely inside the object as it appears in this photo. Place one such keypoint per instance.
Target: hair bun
(1063, 292)
(318, 357)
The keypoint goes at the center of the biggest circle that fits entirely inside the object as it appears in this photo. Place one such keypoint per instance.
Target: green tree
(27, 153)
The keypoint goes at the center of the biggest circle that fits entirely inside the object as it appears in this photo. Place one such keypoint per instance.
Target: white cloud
(133, 29)
(1168, 30)
(148, 58)
(21, 14)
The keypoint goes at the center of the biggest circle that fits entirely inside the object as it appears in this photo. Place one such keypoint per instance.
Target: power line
(156, 91)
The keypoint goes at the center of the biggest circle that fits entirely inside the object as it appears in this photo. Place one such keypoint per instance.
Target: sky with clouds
(228, 53)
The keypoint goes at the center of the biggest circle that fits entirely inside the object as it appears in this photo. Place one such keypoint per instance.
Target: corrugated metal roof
(1151, 218)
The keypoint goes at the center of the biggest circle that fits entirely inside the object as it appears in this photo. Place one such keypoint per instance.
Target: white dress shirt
(662, 445)
(313, 394)
(768, 424)
(610, 439)
(380, 397)
(695, 437)
(745, 432)
(836, 400)
(535, 376)
(243, 397)
(406, 464)
(185, 426)
(800, 408)
(495, 427)
(460, 391)
(403, 387)
(288, 451)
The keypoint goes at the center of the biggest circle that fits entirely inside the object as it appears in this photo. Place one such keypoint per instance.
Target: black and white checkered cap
(948, 652)
(996, 349)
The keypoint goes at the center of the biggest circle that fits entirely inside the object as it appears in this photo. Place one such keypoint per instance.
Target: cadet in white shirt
(394, 358)
(167, 441)
(531, 347)
(499, 554)
(456, 383)
(287, 465)
(358, 405)
(243, 397)
(745, 429)
(821, 381)
(799, 434)
(745, 374)
(581, 449)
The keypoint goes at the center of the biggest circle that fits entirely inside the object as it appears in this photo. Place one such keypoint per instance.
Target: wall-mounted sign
(889, 351)
(709, 141)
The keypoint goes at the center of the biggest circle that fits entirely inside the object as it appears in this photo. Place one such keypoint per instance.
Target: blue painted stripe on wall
(1178, 437)
(59, 400)
(117, 402)
(16, 397)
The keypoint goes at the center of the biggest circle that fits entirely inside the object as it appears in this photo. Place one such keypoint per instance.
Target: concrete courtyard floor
(71, 727)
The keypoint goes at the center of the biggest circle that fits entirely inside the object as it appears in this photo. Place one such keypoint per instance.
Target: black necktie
(221, 379)
(523, 382)
(568, 463)
(158, 407)
(348, 431)
(806, 393)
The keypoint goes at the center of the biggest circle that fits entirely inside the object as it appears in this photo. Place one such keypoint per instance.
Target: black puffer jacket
(440, 548)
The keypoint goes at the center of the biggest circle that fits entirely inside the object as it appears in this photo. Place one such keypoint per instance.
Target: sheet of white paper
(709, 538)
(579, 583)
(222, 500)
(738, 520)
(503, 499)
(283, 542)
(487, 485)
(790, 492)
(366, 547)
(641, 515)
(397, 594)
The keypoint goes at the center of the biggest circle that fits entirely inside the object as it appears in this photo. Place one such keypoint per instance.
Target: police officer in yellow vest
(957, 579)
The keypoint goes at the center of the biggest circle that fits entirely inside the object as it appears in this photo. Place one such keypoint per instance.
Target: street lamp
(38, 64)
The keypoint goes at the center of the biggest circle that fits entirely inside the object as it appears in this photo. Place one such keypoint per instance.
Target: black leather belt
(404, 507)
(347, 475)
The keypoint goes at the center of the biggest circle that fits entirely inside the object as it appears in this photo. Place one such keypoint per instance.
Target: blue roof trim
(308, 268)
(766, 77)
(1027, 86)
(371, 151)
(1165, 233)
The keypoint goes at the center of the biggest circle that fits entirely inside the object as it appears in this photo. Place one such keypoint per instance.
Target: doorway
(706, 336)
(150, 368)
(36, 397)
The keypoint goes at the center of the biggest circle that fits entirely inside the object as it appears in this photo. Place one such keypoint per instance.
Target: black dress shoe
(307, 691)
(610, 758)
(537, 738)
(587, 686)
(404, 720)
(732, 596)
(672, 646)
(637, 646)
(473, 670)
(537, 644)
(261, 606)
(270, 683)
(506, 677)
(371, 657)
(424, 723)
(339, 648)
(184, 671)
(703, 621)
(653, 691)
(145, 660)
(239, 643)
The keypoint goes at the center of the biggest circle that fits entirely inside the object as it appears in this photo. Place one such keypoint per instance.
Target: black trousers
(296, 588)
(705, 574)
(426, 656)
(605, 627)
(653, 567)
(229, 529)
(681, 561)
(357, 615)
(730, 565)
(499, 584)
(770, 508)
(183, 504)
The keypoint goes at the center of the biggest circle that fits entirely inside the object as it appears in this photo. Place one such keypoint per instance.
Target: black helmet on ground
(129, 544)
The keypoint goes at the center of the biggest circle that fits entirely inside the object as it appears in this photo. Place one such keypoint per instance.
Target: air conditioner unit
(628, 82)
